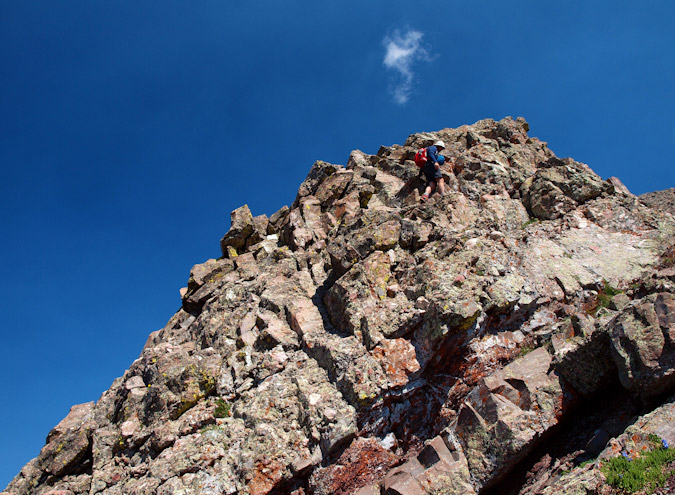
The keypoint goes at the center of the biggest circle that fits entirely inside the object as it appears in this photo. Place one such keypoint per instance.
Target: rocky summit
(514, 336)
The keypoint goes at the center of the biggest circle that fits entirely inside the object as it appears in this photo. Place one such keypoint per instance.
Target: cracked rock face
(359, 342)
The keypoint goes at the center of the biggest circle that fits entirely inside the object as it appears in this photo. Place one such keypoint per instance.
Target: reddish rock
(265, 477)
(386, 235)
(348, 207)
(398, 359)
(276, 331)
(439, 468)
(306, 319)
(502, 417)
(363, 462)
(660, 200)
(247, 266)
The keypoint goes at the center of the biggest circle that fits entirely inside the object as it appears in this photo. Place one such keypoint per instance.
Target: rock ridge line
(361, 342)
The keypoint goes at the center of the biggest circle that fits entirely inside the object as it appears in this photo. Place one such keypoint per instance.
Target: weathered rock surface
(662, 200)
(359, 342)
(643, 344)
(508, 410)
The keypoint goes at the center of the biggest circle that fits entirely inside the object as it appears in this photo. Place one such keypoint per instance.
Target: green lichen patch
(198, 384)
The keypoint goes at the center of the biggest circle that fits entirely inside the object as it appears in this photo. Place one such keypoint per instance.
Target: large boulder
(440, 467)
(559, 186)
(69, 442)
(241, 227)
(502, 418)
(643, 344)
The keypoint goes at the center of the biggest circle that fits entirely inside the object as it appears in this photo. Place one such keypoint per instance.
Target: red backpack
(421, 157)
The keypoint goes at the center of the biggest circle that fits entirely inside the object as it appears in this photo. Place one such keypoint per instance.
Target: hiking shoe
(424, 198)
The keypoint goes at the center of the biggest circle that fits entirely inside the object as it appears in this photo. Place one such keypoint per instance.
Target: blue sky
(129, 130)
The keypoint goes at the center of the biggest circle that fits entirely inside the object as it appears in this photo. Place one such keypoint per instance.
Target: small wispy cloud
(403, 51)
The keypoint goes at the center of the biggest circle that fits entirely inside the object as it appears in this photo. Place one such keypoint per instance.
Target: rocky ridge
(359, 342)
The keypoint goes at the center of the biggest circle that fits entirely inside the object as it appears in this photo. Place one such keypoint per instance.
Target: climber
(432, 170)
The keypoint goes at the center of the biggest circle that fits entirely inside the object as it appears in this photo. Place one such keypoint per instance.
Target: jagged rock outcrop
(358, 342)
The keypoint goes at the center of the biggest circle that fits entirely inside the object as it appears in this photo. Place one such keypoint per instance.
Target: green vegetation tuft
(209, 428)
(529, 222)
(606, 294)
(645, 473)
(222, 409)
(603, 298)
(667, 258)
(526, 349)
(657, 441)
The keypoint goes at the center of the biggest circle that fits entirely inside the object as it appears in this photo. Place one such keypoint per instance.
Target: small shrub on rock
(222, 409)
(644, 473)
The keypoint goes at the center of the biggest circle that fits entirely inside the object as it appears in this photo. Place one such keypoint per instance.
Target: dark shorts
(431, 173)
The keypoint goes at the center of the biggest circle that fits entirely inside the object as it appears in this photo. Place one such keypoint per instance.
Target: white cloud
(403, 51)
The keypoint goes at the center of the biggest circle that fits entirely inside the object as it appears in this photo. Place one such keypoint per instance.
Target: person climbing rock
(432, 170)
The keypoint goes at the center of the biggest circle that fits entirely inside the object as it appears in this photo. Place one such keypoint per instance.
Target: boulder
(207, 271)
(276, 220)
(502, 418)
(332, 187)
(439, 468)
(241, 227)
(398, 359)
(559, 186)
(69, 442)
(643, 345)
(317, 174)
(260, 224)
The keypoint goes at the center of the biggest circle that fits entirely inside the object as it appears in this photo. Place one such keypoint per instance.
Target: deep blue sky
(130, 129)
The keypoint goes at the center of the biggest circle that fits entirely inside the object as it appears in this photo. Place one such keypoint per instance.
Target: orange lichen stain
(265, 477)
(484, 395)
